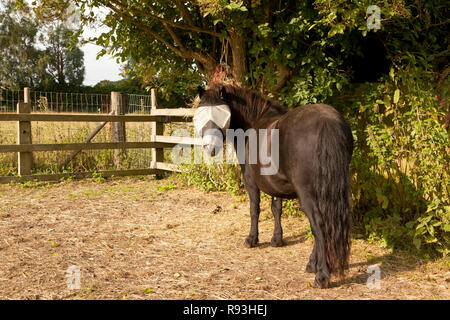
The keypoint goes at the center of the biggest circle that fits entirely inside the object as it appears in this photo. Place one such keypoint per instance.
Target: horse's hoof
(311, 267)
(251, 242)
(276, 242)
(322, 280)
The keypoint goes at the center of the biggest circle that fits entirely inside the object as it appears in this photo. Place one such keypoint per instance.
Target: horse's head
(212, 118)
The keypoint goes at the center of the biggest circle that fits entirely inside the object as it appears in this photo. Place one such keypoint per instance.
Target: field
(76, 132)
(140, 238)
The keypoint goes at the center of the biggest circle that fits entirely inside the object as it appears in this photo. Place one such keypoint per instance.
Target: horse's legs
(308, 204)
(277, 239)
(254, 195)
(311, 267)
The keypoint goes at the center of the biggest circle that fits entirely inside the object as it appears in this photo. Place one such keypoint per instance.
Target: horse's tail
(332, 187)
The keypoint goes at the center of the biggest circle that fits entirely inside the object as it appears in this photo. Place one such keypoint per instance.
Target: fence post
(2, 108)
(24, 159)
(157, 130)
(118, 128)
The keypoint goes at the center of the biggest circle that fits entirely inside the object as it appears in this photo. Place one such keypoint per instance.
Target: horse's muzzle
(210, 149)
(212, 143)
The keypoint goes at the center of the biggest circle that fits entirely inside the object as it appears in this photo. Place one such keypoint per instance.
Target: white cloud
(105, 68)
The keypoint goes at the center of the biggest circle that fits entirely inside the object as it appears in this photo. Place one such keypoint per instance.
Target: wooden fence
(157, 142)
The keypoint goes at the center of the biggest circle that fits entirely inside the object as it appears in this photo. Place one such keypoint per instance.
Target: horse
(315, 148)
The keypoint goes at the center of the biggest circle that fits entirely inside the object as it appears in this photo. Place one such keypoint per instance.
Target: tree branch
(170, 23)
(185, 13)
(143, 27)
(205, 59)
(169, 30)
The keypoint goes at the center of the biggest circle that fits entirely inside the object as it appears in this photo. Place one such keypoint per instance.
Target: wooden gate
(157, 142)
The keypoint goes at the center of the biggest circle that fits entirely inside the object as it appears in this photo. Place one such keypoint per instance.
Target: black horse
(315, 148)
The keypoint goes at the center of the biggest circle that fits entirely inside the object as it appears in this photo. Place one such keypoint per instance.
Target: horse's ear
(222, 93)
(200, 91)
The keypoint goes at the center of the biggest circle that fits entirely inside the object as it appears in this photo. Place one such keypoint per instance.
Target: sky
(105, 68)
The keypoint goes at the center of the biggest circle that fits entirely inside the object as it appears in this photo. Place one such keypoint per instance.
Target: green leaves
(338, 29)
(148, 291)
(396, 95)
(391, 74)
(264, 29)
(238, 5)
(417, 242)
(400, 162)
(382, 199)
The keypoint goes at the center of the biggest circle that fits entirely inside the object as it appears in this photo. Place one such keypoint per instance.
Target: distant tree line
(46, 60)
(47, 57)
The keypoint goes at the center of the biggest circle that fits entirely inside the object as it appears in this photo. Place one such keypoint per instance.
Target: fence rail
(157, 141)
(161, 117)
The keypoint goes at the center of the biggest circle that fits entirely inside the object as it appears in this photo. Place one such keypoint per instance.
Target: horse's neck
(251, 117)
(242, 119)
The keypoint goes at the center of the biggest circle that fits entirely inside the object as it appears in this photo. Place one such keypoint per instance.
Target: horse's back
(306, 121)
(299, 138)
(313, 111)
(299, 131)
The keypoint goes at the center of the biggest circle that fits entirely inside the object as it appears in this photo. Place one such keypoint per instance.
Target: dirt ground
(138, 238)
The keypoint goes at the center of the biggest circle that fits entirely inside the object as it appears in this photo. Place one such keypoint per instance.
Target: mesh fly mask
(219, 115)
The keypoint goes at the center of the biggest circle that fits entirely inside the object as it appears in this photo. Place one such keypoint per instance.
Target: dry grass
(140, 239)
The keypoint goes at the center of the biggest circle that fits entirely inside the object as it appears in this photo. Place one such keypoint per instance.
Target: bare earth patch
(137, 239)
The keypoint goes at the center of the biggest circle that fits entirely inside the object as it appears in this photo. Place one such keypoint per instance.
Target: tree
(18, 55)
(276, 46)
(65, 62)
(182, 34)
(22, 63)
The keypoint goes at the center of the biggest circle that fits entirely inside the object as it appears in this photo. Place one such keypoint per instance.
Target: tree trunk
(239, 55)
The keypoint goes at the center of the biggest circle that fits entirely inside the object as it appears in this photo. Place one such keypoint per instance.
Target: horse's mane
(253, 104)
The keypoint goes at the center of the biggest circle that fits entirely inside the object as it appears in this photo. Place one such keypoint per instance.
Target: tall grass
(74, 132)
